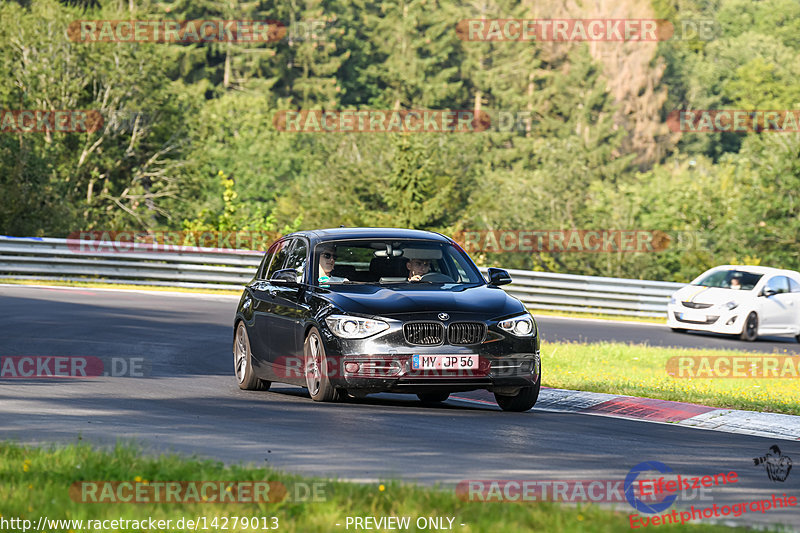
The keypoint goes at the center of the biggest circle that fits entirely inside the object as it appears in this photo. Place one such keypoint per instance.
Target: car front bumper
(381, 373)
(716, 319)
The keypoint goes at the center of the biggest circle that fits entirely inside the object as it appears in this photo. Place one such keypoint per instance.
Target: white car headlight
(521, 326)
(353, 327)
(731, 305)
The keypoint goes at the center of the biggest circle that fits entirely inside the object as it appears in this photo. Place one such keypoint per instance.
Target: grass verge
(35, 483)
(640, 370)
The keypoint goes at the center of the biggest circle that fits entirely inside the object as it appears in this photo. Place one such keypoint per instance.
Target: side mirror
(285, 276)
(498, 276)
(768, 292)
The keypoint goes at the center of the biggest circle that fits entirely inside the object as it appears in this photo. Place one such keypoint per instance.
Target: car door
(794, 293)
(261, 337)
(777, 306)
(289, 311)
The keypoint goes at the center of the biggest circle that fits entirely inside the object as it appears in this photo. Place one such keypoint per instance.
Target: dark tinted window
(384, 261)
(794, 286)
(262, 267)
(779, 284)
(297, 258)
(278, 258)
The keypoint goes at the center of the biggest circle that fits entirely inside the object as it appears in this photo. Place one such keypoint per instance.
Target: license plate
(444, 362)
(694, 316)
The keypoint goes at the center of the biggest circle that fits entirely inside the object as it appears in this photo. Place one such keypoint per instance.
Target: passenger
(736, 284)
(418, 268)
(327, 262)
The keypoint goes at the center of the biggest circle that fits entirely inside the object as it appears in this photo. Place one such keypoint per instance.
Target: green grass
(640, 370)
(35, 482)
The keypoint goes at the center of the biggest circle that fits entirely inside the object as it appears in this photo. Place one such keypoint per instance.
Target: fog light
(351, 368)
(730, 321)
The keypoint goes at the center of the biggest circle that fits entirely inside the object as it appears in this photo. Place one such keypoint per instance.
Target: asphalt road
(559, 330)
(188, 402)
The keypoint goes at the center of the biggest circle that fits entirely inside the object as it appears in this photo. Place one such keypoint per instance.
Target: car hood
(711, 295)
(403, 299)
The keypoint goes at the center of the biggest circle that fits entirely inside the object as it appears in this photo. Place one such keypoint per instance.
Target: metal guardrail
(56, 259)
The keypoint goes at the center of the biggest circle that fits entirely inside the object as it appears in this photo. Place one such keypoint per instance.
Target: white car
(740, 300)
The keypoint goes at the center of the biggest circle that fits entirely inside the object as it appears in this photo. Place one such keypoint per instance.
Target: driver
(418, 268)
(327, 262)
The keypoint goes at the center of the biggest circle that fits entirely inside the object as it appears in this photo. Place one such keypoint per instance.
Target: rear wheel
(750, 329)
(243, 362)
(433, 397)
(522, 401)
(316, 369)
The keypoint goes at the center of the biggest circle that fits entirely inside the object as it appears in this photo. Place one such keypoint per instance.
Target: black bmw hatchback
(353, 311)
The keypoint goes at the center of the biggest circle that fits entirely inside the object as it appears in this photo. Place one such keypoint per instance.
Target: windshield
(729, 279)
(393, 261)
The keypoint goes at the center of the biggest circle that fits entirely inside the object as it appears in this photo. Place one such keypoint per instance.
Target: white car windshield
(729, 279)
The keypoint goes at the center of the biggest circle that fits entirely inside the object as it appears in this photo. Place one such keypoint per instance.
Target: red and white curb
(773, 425)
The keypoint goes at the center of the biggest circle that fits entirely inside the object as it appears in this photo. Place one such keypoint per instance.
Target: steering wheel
(436, 277)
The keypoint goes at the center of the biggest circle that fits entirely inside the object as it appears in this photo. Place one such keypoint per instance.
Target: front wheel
(524, 400)
(243, 362)
(750, 329)
(316, 369)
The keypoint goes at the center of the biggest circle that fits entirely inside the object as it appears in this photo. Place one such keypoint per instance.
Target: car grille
(424, 333)
(466, 332)
(694, 305)
(708, 320)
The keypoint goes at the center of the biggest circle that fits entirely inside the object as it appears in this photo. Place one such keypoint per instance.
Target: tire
(433, 397)
(524, 400)
(678, 330)
(750, 328)
(316, 369)
(797, 338)
(243, 362)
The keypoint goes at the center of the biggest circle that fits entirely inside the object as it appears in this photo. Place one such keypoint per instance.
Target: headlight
(353, 327)
(521, 326)
(731, 305)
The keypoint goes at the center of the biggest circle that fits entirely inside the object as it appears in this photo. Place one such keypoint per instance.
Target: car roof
(757, 269)
(335, 234)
